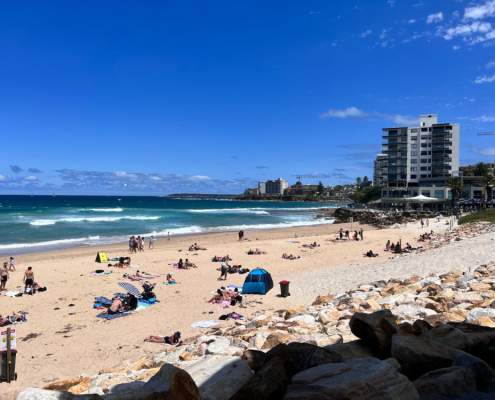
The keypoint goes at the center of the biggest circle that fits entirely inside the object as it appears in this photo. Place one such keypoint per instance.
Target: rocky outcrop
(360, 378)
(410, 338)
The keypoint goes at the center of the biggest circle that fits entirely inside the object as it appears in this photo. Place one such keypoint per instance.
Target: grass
(487, 215)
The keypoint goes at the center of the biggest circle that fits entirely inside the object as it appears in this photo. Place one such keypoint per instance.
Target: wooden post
(9, 355)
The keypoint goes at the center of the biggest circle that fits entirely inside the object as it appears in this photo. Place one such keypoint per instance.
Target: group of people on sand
(221, 258)
(346, 235)
(185, 264)
(256, 251)
(286, 256)
(196, 247)
(30, 286)
(425, 236)
(140, 276)
(226, 296)
(13, 318)
(397, 248)
(136, 243)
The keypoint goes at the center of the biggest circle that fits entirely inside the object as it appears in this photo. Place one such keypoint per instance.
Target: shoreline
(31, 248)
(63, 337)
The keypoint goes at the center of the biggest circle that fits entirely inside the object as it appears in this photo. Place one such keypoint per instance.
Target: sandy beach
(63, 337)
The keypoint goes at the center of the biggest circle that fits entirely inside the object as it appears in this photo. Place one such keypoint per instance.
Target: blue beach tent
(258, 281)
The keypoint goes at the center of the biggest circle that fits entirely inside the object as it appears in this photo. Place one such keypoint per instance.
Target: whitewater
(32, 223)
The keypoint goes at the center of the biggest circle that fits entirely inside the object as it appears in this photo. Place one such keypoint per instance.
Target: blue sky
(153, 97)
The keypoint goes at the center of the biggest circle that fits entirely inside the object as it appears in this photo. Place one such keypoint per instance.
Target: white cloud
(3, 178)
(434, 18)
(402, 119)
(485, 118)
(411, 21)
(490, 64)
(467, 29)
(354, 112)
(480, 11)
(484, 79)
(31, 178)
(349, 112)
(485, 151)
(200, 178)
(366, 33)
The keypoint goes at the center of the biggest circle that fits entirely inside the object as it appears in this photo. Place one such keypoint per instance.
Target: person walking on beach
(224, 269)
(4, 276)
(152, 242)
(241, 235)
(361, 233)
(12, 264)
(29, 280)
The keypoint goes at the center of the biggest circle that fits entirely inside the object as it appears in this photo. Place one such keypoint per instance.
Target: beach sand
(63, 337)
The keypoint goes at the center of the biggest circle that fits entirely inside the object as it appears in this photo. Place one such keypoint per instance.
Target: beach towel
(204, 324)
(170, 283)
(109, 317)
(12, 293)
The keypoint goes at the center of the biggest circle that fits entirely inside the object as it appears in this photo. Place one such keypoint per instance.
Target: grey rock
(357, 379)
(220, 377)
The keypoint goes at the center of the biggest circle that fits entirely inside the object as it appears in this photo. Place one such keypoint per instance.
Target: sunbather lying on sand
(140, 276)
(123, 262)
(116, 307)
(370, 253)
(221, 259)
(13, 318)
(172, 340)
(311, 245)
(286, 256)
(189, 264)
(255, 251)
(171, 280)
(231, 296)
(196, 247)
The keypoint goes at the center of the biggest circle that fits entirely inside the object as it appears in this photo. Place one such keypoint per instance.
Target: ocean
(36, 223)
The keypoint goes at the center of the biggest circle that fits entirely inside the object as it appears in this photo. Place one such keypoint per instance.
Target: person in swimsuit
(4, 276)
(12, 264)
(172, 340)
(116, 307)
(29, 280)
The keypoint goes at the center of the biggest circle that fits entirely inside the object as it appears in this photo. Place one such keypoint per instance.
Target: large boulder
(481, 341)
(269, 383)
(419, 355)
(376, 330)
(350, 350)
(449, 336)
(220, 377)
(446, 383)
(300, 356)
(357, 379)
(255, 359)
(43, 394)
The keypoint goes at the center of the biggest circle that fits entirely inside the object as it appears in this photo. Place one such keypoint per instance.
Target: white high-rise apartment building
(420, 159)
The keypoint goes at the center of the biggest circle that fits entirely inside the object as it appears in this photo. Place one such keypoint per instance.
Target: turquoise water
(32, 223)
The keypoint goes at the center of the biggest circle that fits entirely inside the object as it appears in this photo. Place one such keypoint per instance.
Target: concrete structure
(273, 187)
(420, 159)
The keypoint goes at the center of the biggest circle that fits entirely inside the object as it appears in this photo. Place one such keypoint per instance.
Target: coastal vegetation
(487, 215)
